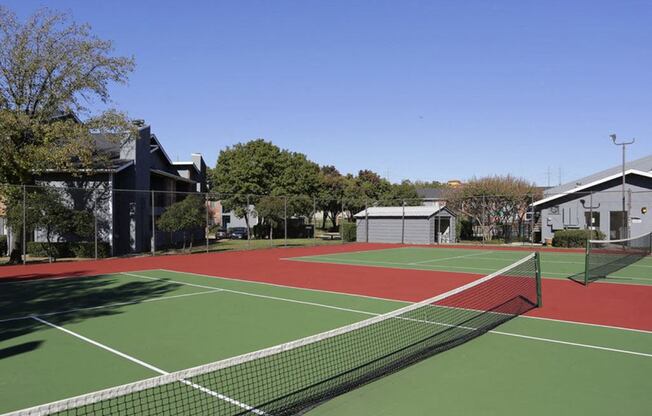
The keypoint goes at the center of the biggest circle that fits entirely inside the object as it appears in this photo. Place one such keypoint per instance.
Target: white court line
(110, 305)
(574, 344)
(149, 366)
(301, 302)
(405, 266)
(597, 347)
(389, 300)
(451, 258)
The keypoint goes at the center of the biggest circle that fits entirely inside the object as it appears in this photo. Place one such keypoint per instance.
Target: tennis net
(604, 257)
(296, 376)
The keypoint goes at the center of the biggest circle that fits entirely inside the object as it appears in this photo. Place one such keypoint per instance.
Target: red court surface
(619, 305)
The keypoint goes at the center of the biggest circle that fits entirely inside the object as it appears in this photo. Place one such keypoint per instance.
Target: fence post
(484, 214)
(629, 213)
(314, 220)
(285, 221)
(206, 202)
(342, 223)
(153, 226)
(403, 223)
(95, 224)
(532, 221)
(24, 225)
(366, 220)
(248, 224)
(439, 226)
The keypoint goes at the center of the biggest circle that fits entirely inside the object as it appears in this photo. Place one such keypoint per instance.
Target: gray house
(432, 196)
(406, 225)
(121, 193)
(596, 202)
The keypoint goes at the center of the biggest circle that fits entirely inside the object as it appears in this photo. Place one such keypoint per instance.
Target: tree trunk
(271, 234)
(246, 217)
(16, 249)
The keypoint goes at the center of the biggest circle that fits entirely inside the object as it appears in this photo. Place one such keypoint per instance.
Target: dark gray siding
(568, 212)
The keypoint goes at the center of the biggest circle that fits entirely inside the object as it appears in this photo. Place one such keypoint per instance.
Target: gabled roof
(431, 193)
(420, 211)
(156, 146)
(643, 164)
(594, 183)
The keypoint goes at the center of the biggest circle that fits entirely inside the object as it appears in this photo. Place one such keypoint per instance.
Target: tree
(187, 216)
(51, 68)
(47, 212)
(298, 180)
(51, 71)
(330, 194)
(257, 168)
(272, 210)
(406, 192)
(493, 201)
(243, 170)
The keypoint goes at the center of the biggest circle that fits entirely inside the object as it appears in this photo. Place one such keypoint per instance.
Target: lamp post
(624, 146)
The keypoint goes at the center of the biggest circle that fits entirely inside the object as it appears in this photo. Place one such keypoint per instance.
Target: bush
(55, 250)
(3, 245)
(349, 231)
(87, 249)
(68, 249)
(575, 238)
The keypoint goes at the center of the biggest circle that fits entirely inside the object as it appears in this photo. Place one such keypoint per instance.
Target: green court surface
(65, 337)
(557, 265)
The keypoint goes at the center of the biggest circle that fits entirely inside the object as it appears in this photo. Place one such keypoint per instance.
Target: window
(595, 224)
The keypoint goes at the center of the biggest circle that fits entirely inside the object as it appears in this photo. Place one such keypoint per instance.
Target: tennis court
(555, 264)
(68, 336)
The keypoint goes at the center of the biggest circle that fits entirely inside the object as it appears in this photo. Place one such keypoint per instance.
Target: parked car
(239, 233)
(221, 233)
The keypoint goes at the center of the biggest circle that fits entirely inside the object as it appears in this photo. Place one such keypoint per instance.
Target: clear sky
(430, 90)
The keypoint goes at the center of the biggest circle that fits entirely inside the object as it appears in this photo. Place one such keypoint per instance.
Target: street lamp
(624, 146)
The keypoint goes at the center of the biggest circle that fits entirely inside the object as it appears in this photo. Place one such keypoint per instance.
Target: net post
(587, 253)
(537, 262)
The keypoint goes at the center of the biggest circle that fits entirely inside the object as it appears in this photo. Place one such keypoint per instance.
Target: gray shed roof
(410, 212)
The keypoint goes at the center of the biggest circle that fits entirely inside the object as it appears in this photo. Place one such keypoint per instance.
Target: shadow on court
(69, 300)
(19, 349)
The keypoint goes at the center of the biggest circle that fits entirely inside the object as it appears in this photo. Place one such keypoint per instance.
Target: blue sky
(430, 90)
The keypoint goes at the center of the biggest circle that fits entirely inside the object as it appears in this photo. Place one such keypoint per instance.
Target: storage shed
(406, 225)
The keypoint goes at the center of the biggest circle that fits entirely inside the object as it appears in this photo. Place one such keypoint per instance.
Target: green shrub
(55, 250)
(3, 245)
(59, 250)
(87, 249)
(575, 238)
(349, 231)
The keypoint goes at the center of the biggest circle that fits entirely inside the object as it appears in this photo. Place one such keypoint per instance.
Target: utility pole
(624, 145)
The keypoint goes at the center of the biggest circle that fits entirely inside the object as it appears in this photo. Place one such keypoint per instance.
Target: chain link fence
(85, 219)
